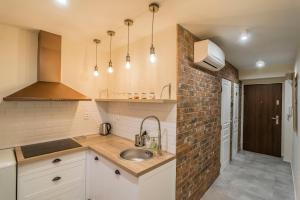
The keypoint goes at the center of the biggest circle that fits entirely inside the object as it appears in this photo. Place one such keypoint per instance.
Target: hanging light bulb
(128, 22)
(127, 65)
(110, 67)
(96, 68)
(152, 54)
(153, 7)
(96, 72)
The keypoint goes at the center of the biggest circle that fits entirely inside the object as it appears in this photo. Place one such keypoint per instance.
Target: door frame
(230, 126)
(236, 88)
(256, 82)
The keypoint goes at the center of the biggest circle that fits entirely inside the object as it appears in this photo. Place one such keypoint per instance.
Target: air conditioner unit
(208, 55)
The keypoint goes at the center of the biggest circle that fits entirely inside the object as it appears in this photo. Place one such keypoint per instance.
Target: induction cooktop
(48, 147)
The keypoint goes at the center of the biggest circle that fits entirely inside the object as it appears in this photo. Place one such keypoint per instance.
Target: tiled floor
(253, 176)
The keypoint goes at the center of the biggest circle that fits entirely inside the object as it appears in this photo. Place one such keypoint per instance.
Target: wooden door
(262, 119)
(226, 122)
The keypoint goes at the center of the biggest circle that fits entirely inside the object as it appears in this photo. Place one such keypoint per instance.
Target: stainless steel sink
(136, 154)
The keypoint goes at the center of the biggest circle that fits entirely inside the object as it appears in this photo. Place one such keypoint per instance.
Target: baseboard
(293, 176)
(287, 160)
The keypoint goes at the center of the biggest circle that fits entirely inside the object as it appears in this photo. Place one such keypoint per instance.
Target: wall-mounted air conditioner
(208, 55)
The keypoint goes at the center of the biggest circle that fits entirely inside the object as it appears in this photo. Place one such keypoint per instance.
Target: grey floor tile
(252, 176)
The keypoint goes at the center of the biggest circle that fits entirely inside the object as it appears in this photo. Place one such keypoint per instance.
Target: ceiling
(273, 24)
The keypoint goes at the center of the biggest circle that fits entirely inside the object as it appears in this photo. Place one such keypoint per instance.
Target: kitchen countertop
(109, 147)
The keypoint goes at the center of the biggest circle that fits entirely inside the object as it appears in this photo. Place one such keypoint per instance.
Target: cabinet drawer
(39, 182)
(73, 190)
(50, 163)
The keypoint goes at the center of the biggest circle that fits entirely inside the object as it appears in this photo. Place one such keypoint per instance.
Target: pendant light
(153, 7)
(96, 68)
(128, 22)
(110, 67)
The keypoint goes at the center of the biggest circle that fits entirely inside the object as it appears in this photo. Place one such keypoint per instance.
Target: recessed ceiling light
(260, 64)
(62, 2)
(244, 36)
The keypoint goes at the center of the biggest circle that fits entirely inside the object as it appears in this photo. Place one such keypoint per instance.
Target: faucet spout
(159, 131)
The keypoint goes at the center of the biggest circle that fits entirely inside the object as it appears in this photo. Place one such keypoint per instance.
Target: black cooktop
(48, 147)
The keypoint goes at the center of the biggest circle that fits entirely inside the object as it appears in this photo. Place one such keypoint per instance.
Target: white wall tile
(30, 122)
(126, 120)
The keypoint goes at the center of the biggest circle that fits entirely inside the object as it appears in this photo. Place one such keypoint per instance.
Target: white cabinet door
(108, 182)
(235, 118)
(225, 122)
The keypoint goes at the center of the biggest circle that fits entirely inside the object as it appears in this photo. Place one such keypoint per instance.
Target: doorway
(262, 118)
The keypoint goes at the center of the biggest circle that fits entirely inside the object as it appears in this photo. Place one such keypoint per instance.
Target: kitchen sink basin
(136, 154)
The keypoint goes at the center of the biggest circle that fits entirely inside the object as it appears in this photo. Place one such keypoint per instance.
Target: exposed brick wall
(198, 120)
(229, 72)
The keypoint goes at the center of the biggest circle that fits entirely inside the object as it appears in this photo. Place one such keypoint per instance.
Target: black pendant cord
(128, 41)
(152, 27)
(110, 49)
(96, 54)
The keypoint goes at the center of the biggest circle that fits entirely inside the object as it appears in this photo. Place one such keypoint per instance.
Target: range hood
(49, 86)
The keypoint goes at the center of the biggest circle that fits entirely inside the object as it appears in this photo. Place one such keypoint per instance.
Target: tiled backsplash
(126, 120)
(29, 122)
(24, 123)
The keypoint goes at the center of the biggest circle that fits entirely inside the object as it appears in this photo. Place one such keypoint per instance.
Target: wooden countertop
(109, 147)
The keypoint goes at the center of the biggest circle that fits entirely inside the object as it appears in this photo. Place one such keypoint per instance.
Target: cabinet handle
(56, 178)
(57, 160)
(96, 158)
(117, 172)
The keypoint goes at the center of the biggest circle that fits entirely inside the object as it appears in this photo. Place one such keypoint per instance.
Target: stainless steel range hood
(48, 87)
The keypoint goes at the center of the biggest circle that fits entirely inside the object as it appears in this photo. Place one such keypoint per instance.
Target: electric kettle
(105, 128)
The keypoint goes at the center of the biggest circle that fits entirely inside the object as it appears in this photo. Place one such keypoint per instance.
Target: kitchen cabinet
(87, 175)
(106, 181)
(59, 178)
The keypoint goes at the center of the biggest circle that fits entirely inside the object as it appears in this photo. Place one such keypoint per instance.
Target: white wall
(144, 76)
(296, 141)
(266, 72)
(30, 122)
(287, 121)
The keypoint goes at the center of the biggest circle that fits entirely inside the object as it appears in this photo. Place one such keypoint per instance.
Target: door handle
(57, 160)
(57, 178)
(277, 119)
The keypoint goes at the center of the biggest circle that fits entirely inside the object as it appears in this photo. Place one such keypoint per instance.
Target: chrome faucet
(141, 135)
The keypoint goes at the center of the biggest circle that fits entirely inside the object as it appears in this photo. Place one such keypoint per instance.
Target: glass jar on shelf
(143, 95)
(151, 95)
(129, 95)
(136, 95)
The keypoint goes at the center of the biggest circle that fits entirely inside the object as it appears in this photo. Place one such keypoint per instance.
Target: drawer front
(52, 163)
(73, 190)
(36, 183)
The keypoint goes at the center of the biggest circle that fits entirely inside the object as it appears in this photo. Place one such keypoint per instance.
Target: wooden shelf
(161, 101)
